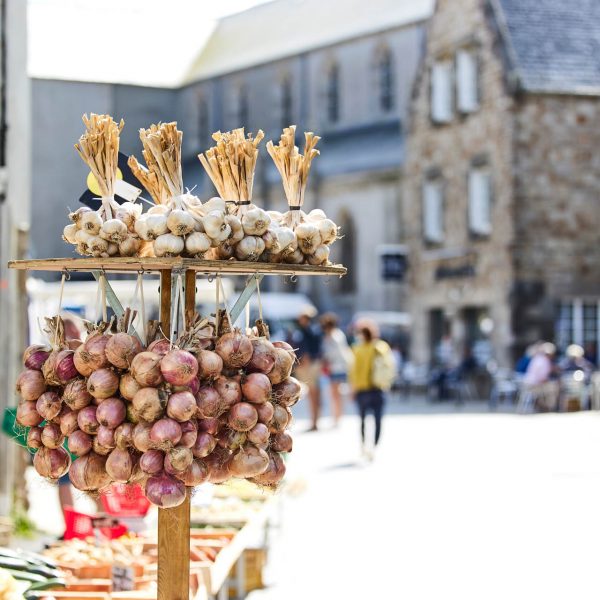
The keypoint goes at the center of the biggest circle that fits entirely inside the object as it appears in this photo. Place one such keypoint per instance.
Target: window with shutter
(480, 202)
(466, 81)
(433, 211)
(441, 92)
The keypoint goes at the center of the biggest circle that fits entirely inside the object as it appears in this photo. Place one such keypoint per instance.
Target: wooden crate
(254, 563)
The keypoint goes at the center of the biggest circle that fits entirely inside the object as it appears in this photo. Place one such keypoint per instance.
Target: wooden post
(173, 523)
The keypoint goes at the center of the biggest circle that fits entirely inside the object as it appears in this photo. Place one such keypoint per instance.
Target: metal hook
(211, 278)
(67, 274)
(293, 278)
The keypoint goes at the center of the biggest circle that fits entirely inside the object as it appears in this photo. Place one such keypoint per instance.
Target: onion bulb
(30, 384)
(103, 383)
(34, 438)
(287, 392)
(128, 386)
(256, 388)
(284, 363)
(111, 412)
(179, 367)
(235, 349)
(259, 434)
(141, 437)
(205, 444)
(195, 474)
(119, 465)
(178, 459)
(210, 364)
(242, 416)
(86, 419)
(265, 412)
(76, 395)
(35, 356)
(121, 349)
(68, 422)
(229, 391)
(88, 473)
(48, 405)
(80, 443)
(52, 462)
(282, 442)
(149, 403)
(27, 415)
(160, 346)
(249, 461)
(165, 491)
(165, 433)
(152, 461)
(263, 356)
(106, 436)
(181, 406)
(280, 419)
(189, 434)
(52, 436)
(145, 367)
(124, 435)
(274, 473)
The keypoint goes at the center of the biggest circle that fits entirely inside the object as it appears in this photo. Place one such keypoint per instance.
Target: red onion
(49, 405)
(79, 443)
(34, 438)
(111, 412)
(178, 459)
(205, 444)
(235, 349)
(256, 388)
(95, 346)
(76, 395)
(263, 356)
(249, 461)
(103, 383)
(119, 465)
(259, 434)
(86, 419)
(128, 386)
(231, 439)
(73, 345)
(209, 425)
(106, 436)
(218, 465)
(265, 412)
(52, 436)
(121, 349)
(283, 346)
(62, 367)
(242, 416)
(274, 473)
(152, 461)
(160, 346)
(35, 356)
(179, 367)
(280, 419)
(284, 363)
(141, 437)
(68, 422)
(27, 415)
(145, 367)
(124, 435)
(165, 433)
(88, 473)
(83, 362)
(287, 392)
(98, 448)
(132, 415)
(210, 364)
(189, 434)
(229, 391)
(193, 387)
(30, 385)
(149, 403)
(208, 402)
(52, 462)
(181, 406)
(195, 474)
(282, 442)
(165, 491)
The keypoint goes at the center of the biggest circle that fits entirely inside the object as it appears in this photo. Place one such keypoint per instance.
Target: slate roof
(555, 44)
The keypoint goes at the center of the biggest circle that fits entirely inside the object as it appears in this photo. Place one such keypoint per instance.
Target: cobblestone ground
(458, 503)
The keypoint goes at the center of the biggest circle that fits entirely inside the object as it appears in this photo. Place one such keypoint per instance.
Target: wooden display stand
(174, 523)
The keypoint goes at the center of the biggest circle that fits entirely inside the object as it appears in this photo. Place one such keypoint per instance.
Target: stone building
(330, 67)
(502, 179)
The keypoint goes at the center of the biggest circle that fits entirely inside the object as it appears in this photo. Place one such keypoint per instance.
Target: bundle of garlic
(174, 224)
(242, 231)
(313, 233)
(109, 231)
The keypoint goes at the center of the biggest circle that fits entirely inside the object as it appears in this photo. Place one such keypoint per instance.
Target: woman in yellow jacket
(372, 374)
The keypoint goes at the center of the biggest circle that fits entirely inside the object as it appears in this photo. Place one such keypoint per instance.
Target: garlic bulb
(214, 222)
(287, 240)
(113, 249)
(196, 244)
(168, 245)
(308, 237)
(130, 246)
(237, 231)
(129, 213)
(315, 215)
(113, 230)
(91, 222)
(69, 233)
(82, 248)
(225, 251)
(328, 230)
(157, 225)
(180, 222)
(250, 248)
(295, 258)
(97, 245)
(76, 215)
(320, 256)
(159, 209)
(255, 221)
(222, 236)
(276, 216)
(271, 240)
(141, 228)
(214, 204)
(198, 225)
(82, 236)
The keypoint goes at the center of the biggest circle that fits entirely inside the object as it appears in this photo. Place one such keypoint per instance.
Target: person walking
(306, 339)
(337, 358)
(372, 374)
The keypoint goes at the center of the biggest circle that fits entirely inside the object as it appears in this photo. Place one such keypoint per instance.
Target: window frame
(447, 63)
(473, 54)
(479, 167)
(433, 178)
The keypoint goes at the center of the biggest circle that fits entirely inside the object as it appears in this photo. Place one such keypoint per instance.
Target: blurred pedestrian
(539, 388)
(525, 359)
(372, 374)
(307, 339)
(337, 359)
(575, 360)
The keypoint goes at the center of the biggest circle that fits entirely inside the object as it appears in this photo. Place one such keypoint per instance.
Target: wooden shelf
(123, 265)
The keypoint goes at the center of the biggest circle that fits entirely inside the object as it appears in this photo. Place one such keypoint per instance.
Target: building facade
(501, 180)
(350, 82)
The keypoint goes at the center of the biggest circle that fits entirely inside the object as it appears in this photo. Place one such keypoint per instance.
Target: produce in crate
(109, 231)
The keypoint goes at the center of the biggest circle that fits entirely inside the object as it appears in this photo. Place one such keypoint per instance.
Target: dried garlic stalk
(293, 168)
(99, 149)
(231, 164)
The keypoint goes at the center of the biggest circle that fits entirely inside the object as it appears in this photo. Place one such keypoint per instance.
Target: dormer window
(441, 91)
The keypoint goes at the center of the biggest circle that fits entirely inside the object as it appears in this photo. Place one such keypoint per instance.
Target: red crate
(79, 525)
(125, 500)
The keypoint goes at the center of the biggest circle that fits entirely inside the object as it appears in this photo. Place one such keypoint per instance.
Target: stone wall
(450, 148)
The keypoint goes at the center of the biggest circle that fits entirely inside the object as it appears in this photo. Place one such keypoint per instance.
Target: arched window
(347, 252)
(286, 102)
(203, 123)
(385, 75)
(333, 93)
(243, 107)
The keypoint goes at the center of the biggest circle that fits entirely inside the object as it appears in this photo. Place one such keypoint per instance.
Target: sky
(148, 42)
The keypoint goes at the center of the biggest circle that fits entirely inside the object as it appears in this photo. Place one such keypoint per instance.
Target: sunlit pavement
(458, 505)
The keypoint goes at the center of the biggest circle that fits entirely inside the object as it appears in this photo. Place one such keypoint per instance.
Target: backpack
(383, 373)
